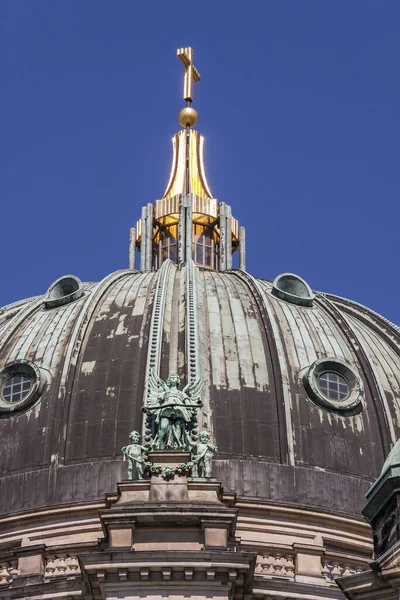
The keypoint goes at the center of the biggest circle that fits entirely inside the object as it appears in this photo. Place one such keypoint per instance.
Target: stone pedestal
(308, 567)
(169, 510)
(163, 489)
(166, 535)
(31, 559)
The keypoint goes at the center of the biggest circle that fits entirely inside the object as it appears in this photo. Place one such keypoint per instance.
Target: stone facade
(183, 532)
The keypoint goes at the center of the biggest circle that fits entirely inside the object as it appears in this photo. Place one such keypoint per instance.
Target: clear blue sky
(298, 101)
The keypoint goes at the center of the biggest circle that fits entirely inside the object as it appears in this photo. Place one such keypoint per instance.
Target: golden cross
(191, 73)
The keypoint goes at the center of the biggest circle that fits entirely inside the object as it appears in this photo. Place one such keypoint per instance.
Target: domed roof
(280, 437)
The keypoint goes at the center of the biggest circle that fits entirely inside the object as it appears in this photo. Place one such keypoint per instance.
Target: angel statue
(173, 411)
(134, 453)
(202, 454)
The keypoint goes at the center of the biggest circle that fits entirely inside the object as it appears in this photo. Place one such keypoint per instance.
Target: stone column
(225, 245)
(222, 239)
(132, 248)
(228, 241)
(143, 241)
(149, 237)
(242, 248)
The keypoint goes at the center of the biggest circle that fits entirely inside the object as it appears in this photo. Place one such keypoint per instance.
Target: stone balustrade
(8, 572)
(333, 568)
(62, 563)
(271, 563)
(274, 563)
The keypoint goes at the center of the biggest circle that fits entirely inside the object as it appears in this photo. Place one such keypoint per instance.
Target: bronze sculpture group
(171, 414)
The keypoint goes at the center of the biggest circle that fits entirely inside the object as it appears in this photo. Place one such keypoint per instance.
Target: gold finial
(188, 116)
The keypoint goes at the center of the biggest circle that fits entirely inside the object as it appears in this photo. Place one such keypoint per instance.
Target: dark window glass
(168, 244)
(333, 386)
(203, 245)
(196, 232)
(208, 257)
(16, 388)
(199, 254)
(172, 253)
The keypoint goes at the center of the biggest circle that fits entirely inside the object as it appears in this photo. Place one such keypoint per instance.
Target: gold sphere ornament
(188, 117)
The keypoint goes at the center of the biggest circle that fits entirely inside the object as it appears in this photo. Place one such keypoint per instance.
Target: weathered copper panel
(257, 479)
(242, 395)
(109, 381)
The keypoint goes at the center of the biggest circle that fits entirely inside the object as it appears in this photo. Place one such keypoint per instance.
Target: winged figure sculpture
(173, 411)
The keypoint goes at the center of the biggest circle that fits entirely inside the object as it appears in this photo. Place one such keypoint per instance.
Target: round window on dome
(21, 384)
(335, 386)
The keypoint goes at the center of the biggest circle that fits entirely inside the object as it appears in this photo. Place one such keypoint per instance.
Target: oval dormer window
(334, 386)
(292, 288)
(21, 384)
(64, 290)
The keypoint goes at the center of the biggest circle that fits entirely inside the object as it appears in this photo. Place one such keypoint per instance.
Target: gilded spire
(187, 171)
(187, 223)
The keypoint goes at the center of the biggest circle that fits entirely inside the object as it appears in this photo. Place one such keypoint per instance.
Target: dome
(246, 483)
(257, 354)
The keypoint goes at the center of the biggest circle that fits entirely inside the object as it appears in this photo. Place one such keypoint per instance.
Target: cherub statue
(133, 454)
(202, 455)
(173, 411)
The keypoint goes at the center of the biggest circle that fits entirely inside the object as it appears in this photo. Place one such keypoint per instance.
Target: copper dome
(275, 443)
